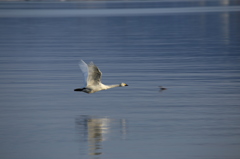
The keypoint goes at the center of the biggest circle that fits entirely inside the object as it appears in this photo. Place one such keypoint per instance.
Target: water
(195, 55)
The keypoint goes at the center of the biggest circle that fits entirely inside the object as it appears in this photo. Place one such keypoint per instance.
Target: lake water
(190, 47)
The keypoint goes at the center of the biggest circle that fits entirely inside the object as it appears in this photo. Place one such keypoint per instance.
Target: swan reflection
(95, 130)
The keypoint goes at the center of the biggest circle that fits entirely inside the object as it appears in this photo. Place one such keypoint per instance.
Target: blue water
(191, 48)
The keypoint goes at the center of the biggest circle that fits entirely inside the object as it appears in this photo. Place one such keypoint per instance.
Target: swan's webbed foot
(79, 89)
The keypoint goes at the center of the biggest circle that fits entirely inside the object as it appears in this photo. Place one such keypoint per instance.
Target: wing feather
(94, 74)
(84, 68)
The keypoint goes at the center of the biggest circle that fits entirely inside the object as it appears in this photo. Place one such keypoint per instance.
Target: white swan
(92, 77)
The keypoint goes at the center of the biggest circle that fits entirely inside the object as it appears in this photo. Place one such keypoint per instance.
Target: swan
(92, 77)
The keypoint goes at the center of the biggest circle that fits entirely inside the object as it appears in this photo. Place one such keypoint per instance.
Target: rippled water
(191, 48)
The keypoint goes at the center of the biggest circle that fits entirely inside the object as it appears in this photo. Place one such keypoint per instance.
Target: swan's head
(123, 85)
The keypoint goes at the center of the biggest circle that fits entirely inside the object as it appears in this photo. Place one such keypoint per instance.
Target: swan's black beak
(126, 85)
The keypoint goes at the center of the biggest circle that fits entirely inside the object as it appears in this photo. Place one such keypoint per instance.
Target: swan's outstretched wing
(84, 68)
(94, 74)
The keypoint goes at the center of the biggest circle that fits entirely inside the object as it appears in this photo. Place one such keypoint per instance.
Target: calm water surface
(193, 53)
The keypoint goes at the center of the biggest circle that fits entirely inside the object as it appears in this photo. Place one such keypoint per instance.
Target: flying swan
(92, 77)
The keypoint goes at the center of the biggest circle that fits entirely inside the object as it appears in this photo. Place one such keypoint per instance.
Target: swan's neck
(112, 86)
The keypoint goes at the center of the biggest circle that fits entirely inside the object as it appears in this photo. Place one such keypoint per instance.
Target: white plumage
(92, 77)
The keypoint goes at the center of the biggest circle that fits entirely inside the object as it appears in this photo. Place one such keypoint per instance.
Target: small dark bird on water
(162, 88)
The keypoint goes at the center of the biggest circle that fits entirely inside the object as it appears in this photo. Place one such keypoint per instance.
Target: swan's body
(92, 77)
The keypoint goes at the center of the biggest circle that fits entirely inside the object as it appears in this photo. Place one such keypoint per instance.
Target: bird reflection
(95, 130)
